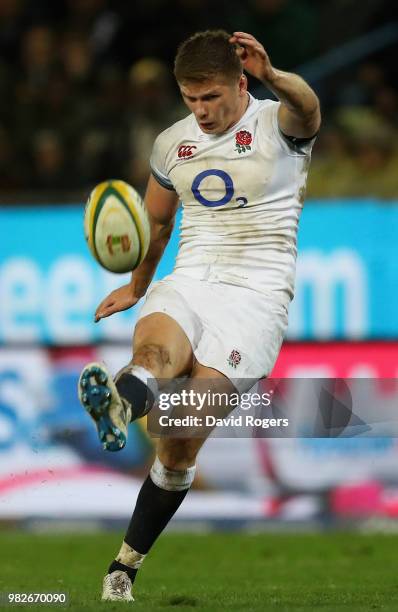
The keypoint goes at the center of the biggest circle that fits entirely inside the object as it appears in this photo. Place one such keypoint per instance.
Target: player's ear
(242, 84)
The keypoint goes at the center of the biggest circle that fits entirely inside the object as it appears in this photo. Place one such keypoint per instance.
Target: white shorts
(234, 330)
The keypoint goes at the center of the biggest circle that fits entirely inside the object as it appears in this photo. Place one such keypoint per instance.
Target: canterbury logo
(186, 150)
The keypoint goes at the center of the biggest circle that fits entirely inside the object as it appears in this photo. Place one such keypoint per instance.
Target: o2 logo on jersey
(229, 189)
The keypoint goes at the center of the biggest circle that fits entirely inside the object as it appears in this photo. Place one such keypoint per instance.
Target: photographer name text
(230, 421)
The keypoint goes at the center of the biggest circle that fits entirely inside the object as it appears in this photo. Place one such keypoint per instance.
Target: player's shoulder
(265, 113)
(165, 147)
(269, 127)
(267, 119)
(173, 134)
(267, 107)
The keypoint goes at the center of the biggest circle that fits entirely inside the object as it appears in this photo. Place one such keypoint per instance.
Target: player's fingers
(244, 35)
(103, 308)
(108, 301)
(100, 314)
(248, 42)
(246, 39)
(256, 52)
(115, 306)
(251, 44)
(241, 52)
(254, 49)
(106, 311)
(234, 41)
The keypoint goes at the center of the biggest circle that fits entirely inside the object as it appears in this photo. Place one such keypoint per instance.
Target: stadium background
(85, 86)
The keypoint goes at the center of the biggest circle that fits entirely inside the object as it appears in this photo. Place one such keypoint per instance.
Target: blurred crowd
(86, 85)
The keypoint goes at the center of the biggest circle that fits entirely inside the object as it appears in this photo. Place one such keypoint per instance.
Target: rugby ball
(116, 226)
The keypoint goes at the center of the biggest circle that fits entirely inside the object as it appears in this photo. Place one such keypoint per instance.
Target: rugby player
(239, 166)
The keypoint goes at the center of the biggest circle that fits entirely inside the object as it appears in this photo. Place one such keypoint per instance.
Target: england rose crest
(235, 358)
(243, 140)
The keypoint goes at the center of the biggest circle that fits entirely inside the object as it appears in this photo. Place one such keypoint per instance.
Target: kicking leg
(161, 350)
(160, 497)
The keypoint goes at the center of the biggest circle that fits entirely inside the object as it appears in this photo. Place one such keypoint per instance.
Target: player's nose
(201, 112)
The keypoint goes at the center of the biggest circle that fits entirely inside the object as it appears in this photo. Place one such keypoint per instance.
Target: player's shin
(137, 387)
(159, 499)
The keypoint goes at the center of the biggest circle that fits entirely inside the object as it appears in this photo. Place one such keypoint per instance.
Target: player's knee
(171, 479)
(152, 356)
(178, 454)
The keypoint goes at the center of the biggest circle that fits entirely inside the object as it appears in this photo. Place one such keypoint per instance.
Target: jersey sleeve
(158, 163)
(290, 145)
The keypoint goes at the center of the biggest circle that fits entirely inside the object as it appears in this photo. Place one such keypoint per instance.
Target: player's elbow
(166, 231)
(161, 231)
(315, 110)
(311, 116)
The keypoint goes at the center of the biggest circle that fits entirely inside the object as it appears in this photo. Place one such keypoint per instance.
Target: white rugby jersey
(242, 193)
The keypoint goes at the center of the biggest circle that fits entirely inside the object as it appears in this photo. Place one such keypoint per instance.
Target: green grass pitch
(229, 571)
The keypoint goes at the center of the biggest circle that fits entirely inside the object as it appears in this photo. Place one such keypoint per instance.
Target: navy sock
(154, 509)
(137, 393)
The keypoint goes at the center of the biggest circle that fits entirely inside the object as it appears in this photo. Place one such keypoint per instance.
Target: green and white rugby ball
(116, 226)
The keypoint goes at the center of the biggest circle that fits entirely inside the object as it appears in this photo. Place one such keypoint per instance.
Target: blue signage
(346, 287)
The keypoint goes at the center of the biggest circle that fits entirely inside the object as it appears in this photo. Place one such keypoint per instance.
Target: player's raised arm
(299, 113)
(161, 205)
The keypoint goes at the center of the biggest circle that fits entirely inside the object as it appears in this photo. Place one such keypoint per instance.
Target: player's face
(216, 103)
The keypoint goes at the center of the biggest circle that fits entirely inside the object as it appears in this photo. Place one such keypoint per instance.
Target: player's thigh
(161, 330)
(179, 453)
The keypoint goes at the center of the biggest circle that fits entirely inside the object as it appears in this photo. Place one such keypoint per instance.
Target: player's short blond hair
(206, 55)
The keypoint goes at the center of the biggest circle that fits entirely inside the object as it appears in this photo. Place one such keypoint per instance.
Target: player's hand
(120, 299)
(253, 56)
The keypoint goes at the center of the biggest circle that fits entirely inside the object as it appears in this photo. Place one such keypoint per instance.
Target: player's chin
(209, 128)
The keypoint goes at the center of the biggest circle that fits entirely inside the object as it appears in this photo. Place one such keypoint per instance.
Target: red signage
(337, 360)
